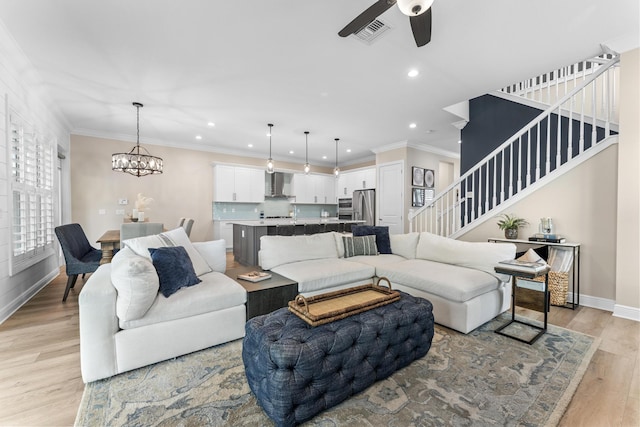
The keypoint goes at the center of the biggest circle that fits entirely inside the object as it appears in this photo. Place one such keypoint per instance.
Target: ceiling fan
(418, 11)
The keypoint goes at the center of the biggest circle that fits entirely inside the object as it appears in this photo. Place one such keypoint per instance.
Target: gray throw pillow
(359, 245)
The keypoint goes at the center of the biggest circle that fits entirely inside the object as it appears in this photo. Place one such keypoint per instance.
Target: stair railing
(577, 121)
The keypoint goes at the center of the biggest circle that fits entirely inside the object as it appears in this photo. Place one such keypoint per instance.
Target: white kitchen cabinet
(238, 184)
(314, 188)
(368, 178)
(223, 230)
(359, 179)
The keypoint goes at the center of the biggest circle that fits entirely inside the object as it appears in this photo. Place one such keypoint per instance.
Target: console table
(267, 295)
(575, 266)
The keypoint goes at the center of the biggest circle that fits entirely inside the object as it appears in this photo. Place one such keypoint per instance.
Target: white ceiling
(243, 64)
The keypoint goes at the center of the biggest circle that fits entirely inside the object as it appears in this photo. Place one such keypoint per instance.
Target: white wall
(628, 203)
(19, 82)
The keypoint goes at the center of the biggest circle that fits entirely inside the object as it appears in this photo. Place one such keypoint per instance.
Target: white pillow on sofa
(175, 237)
(479, 255)
(214, 253)
(137, 283)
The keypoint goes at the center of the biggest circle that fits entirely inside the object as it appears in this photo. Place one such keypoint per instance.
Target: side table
(267, 295)
(527, 273)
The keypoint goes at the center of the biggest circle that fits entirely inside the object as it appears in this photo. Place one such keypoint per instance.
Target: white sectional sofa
(126, 323)
(457, 277)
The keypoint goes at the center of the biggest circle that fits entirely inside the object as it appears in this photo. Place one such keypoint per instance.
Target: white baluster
(511, 170)
(519, 160)
(528, 154)
(495, 182)
(538, 153)
(548, 165)
(502, 180)
(559, 139)
(594, 132)
(583, 95)
(486, 193)
(570, 146)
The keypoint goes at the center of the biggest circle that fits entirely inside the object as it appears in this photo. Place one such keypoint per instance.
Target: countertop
(290, 221)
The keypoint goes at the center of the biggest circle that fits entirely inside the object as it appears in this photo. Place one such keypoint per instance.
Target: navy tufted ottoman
(297, 371)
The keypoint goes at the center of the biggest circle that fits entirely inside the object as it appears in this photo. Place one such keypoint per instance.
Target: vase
(511, 233)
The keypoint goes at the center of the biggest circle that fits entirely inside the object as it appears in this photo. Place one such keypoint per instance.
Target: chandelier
(138, 162)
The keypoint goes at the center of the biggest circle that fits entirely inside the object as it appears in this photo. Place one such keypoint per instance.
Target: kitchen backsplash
(271, 208)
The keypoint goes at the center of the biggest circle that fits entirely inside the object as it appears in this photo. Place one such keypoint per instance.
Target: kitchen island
(246, 234)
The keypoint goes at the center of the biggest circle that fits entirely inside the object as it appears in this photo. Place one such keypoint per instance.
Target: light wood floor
(40, 383)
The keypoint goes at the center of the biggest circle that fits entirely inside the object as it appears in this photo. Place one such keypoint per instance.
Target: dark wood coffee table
(265, 296)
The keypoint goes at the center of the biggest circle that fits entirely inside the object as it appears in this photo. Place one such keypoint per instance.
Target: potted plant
(510, 225)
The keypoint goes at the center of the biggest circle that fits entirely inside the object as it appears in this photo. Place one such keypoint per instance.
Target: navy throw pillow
(381, 233)
(174, 269)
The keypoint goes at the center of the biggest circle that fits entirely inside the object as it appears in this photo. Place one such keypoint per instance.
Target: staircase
(579, 119)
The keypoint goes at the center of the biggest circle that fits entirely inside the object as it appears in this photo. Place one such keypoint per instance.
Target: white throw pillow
(175, 237)
(479, 255)
(404, 244)
(137, 283)
(339, 243)
(214, 253)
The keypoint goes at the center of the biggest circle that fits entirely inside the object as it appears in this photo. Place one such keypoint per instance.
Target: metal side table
(528, 273)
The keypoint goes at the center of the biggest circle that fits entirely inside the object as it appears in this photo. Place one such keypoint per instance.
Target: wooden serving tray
(325, 308)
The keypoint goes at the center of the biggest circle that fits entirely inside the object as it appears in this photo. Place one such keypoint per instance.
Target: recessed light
(198, 136)
(348, 150)
(459, 141)
(250, 145)
(413, 73)
(430, 131)
(324, 157)
(290, 151)
(211, 124)
(412, 125)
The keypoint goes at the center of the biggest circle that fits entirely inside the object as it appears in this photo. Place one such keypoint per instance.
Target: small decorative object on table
(510, 224)
(255, 276)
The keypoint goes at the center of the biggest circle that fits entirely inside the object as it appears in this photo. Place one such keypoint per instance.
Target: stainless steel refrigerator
(364, 206)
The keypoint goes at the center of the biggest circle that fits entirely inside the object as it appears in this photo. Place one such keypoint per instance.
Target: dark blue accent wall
(493, 120)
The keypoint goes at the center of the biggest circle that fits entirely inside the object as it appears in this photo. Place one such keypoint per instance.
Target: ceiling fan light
(414, 7)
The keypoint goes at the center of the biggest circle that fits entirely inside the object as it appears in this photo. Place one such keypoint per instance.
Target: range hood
(277, 185)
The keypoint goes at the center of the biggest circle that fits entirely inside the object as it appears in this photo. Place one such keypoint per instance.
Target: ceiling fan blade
(421, 27)
(366, 17)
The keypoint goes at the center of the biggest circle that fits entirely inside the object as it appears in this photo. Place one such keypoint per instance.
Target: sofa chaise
(457, 277)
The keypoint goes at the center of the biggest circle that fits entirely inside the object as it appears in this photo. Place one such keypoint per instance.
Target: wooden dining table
(109, 242)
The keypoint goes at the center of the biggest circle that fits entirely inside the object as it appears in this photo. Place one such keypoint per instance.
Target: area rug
(477, 379)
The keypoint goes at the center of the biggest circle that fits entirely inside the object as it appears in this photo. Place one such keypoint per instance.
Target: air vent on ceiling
(371, 32)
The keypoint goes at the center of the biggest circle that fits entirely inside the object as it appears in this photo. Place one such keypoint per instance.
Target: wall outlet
(123, 201)
(102, 211)
(119, 211)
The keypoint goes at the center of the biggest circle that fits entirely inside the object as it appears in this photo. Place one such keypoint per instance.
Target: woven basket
(558, 286)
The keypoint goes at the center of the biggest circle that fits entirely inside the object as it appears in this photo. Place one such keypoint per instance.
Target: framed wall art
(417, 197)
(417, 176)
(429, 178)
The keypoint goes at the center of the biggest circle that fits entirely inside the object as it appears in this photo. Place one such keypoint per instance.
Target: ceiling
(243, 64)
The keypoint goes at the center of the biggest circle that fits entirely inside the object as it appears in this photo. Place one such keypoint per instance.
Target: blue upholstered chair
(79, 255)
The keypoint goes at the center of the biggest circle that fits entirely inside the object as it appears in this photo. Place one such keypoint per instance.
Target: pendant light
(270, 165)
(336, 170)
(307, 166)
(138, 162)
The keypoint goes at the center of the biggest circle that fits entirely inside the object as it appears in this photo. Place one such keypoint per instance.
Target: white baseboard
(8, 310)
(594, 302)
(626, 312)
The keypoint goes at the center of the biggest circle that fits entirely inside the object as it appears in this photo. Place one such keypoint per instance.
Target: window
(32, 171)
